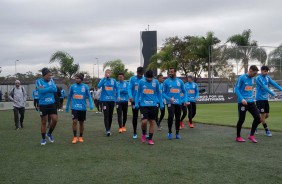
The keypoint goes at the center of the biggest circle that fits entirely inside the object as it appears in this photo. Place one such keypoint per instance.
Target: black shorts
(79, 115)
(47, 109)
(263, 106)
(149, 112)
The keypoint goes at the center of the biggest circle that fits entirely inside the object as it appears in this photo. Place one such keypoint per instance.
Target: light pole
(98, 67)
(16, 67)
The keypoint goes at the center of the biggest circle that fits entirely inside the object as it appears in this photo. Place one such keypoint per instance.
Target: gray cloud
(31, 30)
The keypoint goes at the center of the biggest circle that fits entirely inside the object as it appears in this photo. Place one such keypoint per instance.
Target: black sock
(80, 135)
(43, 135)
(143, 132)
(150, 136)
(177, 131)
(50, 130)
(169, 131)
(74, 133)
(265, 127)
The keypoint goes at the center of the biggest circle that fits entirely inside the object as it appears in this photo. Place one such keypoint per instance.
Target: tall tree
(118, 67)
(246, 49)
(67, 68)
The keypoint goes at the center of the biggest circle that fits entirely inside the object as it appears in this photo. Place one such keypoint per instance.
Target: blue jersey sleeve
(237, 89)
(165, 91)
(90, 99)
(261, 84)
(274, 84)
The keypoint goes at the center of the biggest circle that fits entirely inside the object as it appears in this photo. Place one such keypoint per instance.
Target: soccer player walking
(46, 89)
(149, 96)
(77, 95)
(173, 87)
(122, 105)
(133, 88)
(108, 97)
(160, 79)
(192, 96)
(244, 91)
(262, 83)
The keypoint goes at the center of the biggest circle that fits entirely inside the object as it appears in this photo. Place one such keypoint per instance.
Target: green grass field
(206, 154)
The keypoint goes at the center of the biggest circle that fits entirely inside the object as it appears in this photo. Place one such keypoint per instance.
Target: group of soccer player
(246, 101)
(149, 95)
(146, 94)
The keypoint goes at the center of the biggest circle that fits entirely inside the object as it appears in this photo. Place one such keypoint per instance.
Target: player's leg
(134, 120)
(193, 113)
(255, 113)
(177, 120)
(21, 112)
(144, 120)
(111, 112)
(74, 125)
(81, 119)
(242, 115)
(184, 114)
(106, 117)
(170, 108)
(43, 129)
(119, 116)
(124, 113)
(16, 117)
(152, 119)
(161, 118)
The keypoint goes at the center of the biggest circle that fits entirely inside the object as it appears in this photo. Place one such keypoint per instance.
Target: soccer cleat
(268, 133)
(151, 142)
(134, 136)
(120, 130)
(143, 138)
(108, 133)
(124, 129)
(180, 126)
(17, 128)
(74, 140)
(160, 128)
(177, 136)
(252, 138)
(169, 136)
(80, 139)
(50, 137)
(240, 139)
(43, 142)
(191, 125)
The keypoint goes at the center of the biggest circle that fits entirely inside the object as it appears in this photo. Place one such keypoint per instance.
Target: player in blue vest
(122, 105)
(133, 87)
(77, 95)
(173, 87)
(35, 97)
(192, 96)
(47, 105)
(160, 79)
(62, 97)
(262, 83)
(244, 91)
(149, 96)
(110, 93)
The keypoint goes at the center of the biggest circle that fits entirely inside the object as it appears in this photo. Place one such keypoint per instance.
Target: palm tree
(246, 49)
(67, 68)
(118, 67)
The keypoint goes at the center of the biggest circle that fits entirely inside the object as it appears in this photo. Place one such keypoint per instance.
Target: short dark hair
(149, 74)
(140, 69)
(254, 68)
(264, 68)
(121, 74)
(172, 69)
(160, 75)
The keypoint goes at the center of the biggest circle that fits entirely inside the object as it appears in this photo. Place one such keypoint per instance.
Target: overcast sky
(32, 30)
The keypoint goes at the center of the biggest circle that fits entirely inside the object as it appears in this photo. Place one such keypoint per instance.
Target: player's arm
(69, 99)
(130, 89)
(117, 90)
(184, 91)
(159, 93)
(274, 84)
(259, 82)
(165, 90)
(102, 82)
(137, 96)
(237, 89)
